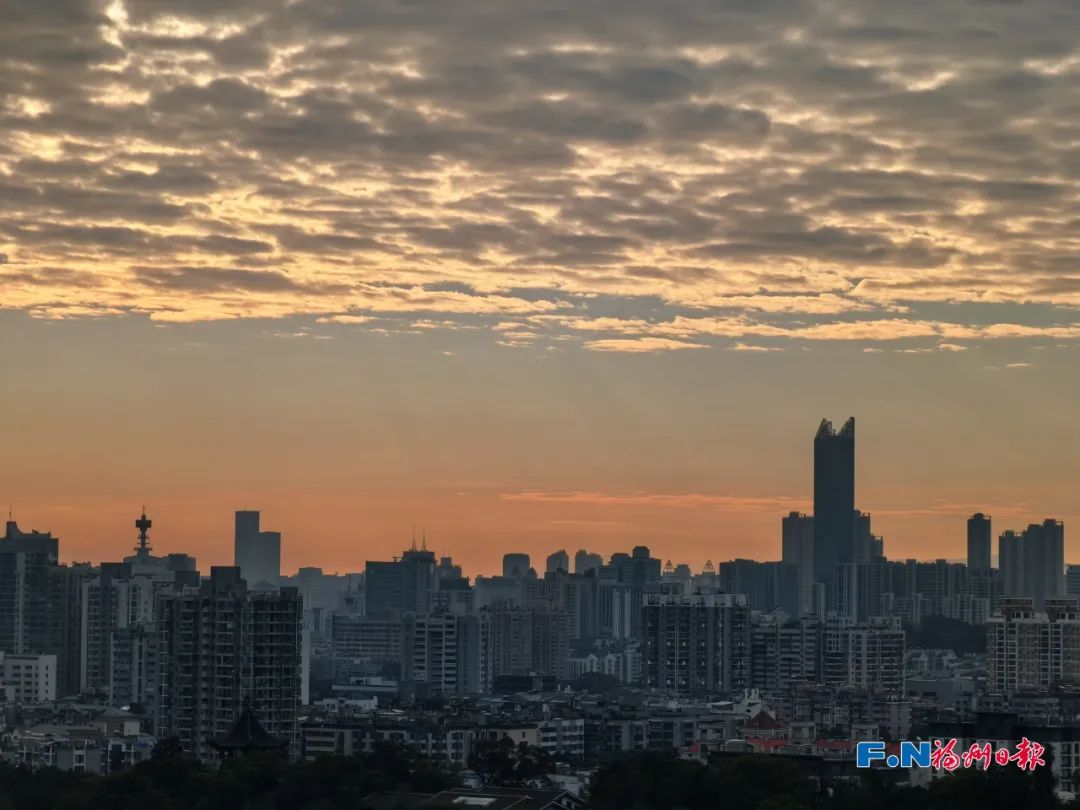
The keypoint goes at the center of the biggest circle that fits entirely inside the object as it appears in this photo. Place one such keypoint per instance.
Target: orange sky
(538, 280)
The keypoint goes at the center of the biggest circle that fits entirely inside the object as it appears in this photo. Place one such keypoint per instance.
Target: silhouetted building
(39, 603)
(797, 549)
(978, 542)
(558, 561)
(1044, 561)
(256, 553)
(223, 647)
(834, 498)
(585, 561)
(516, 565)
(1032, 563)
(405, 585)
(1011, 564)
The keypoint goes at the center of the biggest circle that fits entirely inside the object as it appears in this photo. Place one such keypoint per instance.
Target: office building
(834, 498)
(978, 542)
(797, 549)
(223, 646)
(405, 585)
(256, 553)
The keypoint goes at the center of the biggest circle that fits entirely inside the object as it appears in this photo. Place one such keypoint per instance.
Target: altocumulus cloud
(789, 171)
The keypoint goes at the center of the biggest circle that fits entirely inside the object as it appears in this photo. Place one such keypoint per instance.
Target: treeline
(167, 781)
(640, 781)
(654, 780)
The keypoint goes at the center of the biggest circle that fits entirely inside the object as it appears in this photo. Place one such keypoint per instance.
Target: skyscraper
(797, 548)
(1010, 563)
(256, 553)
(978, 542)
(1043, 552)
(834, 498)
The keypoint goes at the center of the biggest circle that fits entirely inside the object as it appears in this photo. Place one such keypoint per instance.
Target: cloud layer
(624, 175)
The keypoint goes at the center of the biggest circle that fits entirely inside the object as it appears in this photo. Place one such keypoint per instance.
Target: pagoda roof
(248, 734)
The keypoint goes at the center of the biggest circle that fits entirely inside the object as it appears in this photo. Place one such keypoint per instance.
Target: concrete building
(39, 611)
(696, 644)
(516, 565)
(28, 679)
(221, 646)
(256, 553)
(978, 542)
(797, 549)
(1034, 650)
(834, 498)
(404, 585)
(558, 561)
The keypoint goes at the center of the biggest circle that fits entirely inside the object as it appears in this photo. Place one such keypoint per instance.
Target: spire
(143, 524)
(423, 538)
(413, 546)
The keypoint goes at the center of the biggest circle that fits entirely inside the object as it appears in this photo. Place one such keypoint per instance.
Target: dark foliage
(167, 781)
(663, 781)
(500, 762)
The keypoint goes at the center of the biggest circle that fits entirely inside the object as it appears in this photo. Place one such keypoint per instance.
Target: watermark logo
(942, 755)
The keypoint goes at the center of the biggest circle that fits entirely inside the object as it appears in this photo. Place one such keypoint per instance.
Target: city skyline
(834, 480)
(536, 276)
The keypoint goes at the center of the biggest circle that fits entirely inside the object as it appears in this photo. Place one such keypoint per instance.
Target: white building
(28, 679)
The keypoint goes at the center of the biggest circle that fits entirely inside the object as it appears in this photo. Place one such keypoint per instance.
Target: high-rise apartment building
(39, 611)
(978, 542)
(834, 498)
(516, 565)
(585, 561)
(1032, 562)
(784, 653)
(1034, 650)
(1011, 564)
(864, 655)
(256, 553)
(1043, 552)
(697, 644)
(558, 561)
(444, 652)
(222, 647)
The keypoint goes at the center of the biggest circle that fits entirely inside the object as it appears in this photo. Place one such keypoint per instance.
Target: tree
(500, 762)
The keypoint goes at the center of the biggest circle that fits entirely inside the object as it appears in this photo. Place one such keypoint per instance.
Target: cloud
(641, 345)
(712, 172)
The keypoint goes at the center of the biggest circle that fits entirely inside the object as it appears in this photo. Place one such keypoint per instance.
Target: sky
(530, 276)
